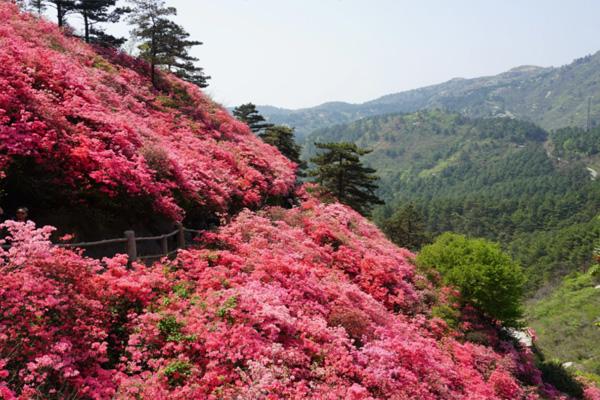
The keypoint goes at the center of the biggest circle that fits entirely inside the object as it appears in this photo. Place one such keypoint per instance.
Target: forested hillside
(494, 178)
(551, 97)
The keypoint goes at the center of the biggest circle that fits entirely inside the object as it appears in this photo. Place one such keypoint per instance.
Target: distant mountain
(551, 97)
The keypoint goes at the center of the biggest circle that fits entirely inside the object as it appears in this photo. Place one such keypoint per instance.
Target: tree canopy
(486, 277)
(164, 44)
(248, 114)
(94, 12)
(406, 227)
(282, 137)
(340, 172)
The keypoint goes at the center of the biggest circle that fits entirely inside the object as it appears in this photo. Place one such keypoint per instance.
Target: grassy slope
(565, 321)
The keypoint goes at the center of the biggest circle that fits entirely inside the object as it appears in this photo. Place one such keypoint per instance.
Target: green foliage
(248, 114)
(575, 143)
(565, 321)
(486, 277)
(406, 228)
(177, 372)
(282, 137)
(449, 314)
(170, 328)
(225, 310)
(164, 44)
(340, 172)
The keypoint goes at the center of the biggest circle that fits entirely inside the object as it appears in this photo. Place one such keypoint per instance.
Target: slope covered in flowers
(308, 302)
(96, 127)
(311, 302)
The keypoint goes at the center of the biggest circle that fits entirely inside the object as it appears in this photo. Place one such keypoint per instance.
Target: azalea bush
(60, 316)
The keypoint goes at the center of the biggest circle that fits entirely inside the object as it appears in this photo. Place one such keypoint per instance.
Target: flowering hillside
(95, 124)
(311, 302)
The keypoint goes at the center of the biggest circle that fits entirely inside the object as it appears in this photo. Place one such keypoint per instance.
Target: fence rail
(131, 243)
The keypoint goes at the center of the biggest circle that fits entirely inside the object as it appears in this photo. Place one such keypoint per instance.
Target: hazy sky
(298, 53)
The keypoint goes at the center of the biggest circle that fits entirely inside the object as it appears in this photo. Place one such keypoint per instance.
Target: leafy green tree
(340, 172)
(406, 227)
(164, 44)
(248, 114)
(486, 277)
(282, 137)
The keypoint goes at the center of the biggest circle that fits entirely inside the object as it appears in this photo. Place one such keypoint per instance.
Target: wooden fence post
(164, 243)
(131, 246)
(180, 236)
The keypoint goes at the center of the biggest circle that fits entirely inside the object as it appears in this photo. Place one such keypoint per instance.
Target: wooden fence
(130, 244)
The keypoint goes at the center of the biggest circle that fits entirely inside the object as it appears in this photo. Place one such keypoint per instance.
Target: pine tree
(62, 7)
(282, 137)
(164, 44)
(249, 114)
(406, 228)
(340, 172)
(173, 46)
(94, 12)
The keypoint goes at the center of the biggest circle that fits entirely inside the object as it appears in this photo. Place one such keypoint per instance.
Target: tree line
(338, 169)
(163, 43)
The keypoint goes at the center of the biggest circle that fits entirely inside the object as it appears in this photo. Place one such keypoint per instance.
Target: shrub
(486, 277)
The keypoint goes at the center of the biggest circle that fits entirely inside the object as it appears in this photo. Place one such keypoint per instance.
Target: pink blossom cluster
(60, 316)
(278, 304)
(95, 123)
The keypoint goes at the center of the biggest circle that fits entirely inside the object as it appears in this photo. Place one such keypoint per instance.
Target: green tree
(340, 172)
(248, 114)
(486, 277)
(406, 227)
(164, 44)
(94, 12)
(282, 137)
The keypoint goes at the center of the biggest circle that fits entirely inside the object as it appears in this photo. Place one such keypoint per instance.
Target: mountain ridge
(553, 97)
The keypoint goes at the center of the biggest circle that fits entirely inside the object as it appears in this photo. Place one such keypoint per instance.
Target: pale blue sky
(298, 53)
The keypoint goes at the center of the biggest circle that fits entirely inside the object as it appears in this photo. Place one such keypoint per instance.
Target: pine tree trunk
(59, 14)
(86, 24)
(153, 60)
(340, 193)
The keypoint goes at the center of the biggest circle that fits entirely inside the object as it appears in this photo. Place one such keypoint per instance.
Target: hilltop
(552, 97)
